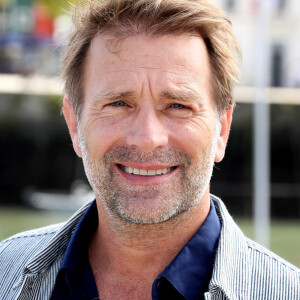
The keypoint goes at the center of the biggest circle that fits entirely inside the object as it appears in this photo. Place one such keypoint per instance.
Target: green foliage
(4, 2)
(57, 7)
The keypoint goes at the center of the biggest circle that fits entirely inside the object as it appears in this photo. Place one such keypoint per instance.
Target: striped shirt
(29, 263)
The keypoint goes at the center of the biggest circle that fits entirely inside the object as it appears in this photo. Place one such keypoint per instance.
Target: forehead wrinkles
(130, 84)
(124, 66)
(169, 71)
(150, 57)
(177, 66)
(177, 76)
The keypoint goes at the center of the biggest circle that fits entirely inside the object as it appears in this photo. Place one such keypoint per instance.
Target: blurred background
(41, 179)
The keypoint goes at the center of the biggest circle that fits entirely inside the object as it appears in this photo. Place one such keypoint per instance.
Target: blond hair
(123, 18)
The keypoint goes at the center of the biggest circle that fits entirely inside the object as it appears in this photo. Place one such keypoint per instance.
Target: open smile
(145, 172)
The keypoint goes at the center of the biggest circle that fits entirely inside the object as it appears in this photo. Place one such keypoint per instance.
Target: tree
(54, 7)
(57, 7)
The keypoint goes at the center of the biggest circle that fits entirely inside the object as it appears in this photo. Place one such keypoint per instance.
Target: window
(277, 56)
(280, 5)
(230, 4)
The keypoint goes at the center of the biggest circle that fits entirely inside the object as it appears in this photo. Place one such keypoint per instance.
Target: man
(149, 105)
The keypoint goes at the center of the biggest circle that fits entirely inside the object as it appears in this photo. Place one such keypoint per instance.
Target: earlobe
(224, 134)
(71, 119)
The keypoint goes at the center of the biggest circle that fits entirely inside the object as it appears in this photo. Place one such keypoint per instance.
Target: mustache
(123, 153)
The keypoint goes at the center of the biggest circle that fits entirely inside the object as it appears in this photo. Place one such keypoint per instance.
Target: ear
(71, 119)
(224, 134)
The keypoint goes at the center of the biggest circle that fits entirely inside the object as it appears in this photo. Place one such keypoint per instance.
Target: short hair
(123, 18)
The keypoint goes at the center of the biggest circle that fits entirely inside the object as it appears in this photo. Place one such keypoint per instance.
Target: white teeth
(143, 172)
(158, 172)
(151, 172)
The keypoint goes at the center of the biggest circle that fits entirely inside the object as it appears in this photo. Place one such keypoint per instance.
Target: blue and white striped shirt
(29, 263)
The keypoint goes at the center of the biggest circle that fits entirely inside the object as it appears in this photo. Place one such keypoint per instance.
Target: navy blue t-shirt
(186, 277)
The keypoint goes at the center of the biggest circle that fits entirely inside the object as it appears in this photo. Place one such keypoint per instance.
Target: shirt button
(30, 285)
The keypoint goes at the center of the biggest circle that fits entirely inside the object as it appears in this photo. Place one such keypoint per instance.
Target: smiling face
(149, 132)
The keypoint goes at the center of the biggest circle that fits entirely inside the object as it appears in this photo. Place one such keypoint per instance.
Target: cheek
(190, 136)
(104, 133)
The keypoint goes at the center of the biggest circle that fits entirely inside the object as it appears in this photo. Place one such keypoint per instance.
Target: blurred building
(30, 38)
(284, 47)
(27, 32)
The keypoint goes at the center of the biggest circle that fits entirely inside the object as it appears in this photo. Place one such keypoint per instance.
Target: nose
(147, 131)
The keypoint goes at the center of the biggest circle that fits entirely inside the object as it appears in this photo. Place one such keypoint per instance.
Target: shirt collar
(75, 265)
(191, 270)
(232, 270)
(189, 273)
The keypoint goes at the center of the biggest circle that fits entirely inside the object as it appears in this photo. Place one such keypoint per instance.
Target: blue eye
(119, 103)
(178, 106)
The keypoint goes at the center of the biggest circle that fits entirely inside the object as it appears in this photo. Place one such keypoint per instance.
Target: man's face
(149, 132)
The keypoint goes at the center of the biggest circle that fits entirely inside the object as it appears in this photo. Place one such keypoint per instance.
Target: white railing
(31, 85)
(39, 85)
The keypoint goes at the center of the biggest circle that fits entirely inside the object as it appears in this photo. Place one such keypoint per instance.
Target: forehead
(179, 60)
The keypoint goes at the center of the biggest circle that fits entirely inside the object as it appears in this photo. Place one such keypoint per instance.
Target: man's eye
(178, 106)
(118, 103)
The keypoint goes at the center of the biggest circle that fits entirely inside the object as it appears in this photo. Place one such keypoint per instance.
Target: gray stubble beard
(193, 182)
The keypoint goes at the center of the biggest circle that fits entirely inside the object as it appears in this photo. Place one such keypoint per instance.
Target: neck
(134, 248)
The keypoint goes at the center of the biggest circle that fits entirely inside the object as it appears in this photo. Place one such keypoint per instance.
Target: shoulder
(55, 237)
(37, 238)
(34, 254)
(259, 252)
(271, 275)
(17, 251)
(251, 270)
(268, 264)
(30, 238)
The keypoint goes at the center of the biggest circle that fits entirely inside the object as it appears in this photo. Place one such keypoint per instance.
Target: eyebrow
(113, 96)
(181, 96)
